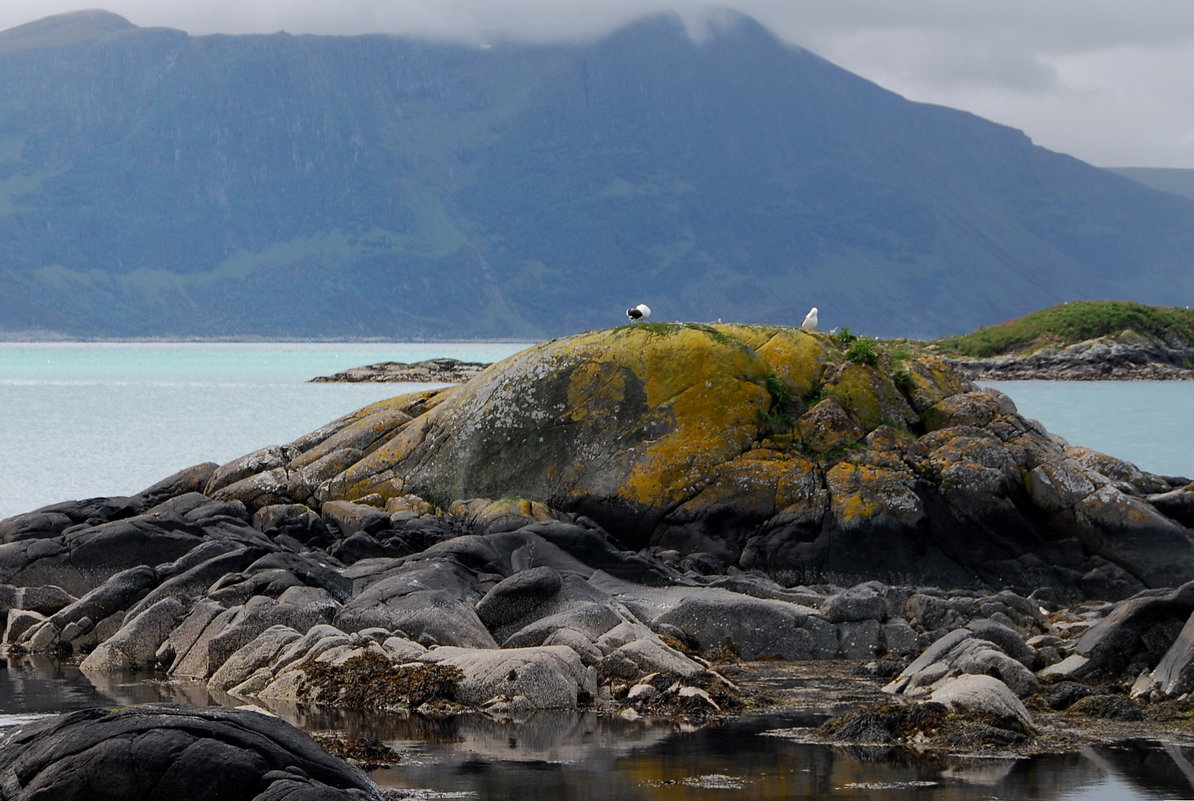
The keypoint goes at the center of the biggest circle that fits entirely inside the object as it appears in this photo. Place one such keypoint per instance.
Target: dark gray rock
(295, 521)
(136, 644)
(431, 599)
(142, 753)
(1109, 582)
(38, 525)
(1174, 674)
(589, 620)
(358, 546)
(593, 547)
(82, 559)
(517, 596)
(756, 627)
(65, 629)
(45, 600)
(958, 653)
(261, 651)
(191, 576)
(18, 622)
(1177, 504)
(860, 639)
(300, 608)
(1010, 641)
(187, 480)
(1136, 634)
(860, 602)
(347, 518)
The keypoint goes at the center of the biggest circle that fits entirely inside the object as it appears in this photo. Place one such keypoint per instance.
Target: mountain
(1168, 179)
(158, 184)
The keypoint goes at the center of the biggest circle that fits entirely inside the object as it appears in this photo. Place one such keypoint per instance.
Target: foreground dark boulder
(147, 753)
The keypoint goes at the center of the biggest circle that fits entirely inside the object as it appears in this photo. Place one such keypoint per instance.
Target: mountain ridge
(285, 186)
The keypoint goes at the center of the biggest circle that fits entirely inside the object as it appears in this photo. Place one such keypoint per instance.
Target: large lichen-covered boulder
(761, 447)
(627, 423)
(632, 424)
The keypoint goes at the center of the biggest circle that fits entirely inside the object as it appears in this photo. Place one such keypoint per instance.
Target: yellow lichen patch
(860, 492)
(931, 380)
(713, 386)
(410, 503)
(798, 358)
(827, 427)
(375, 473)
(751, 486)
(871, 397)
(1109, 505)
(801, 492)
(362, 435)
(504, 514)
(595, 390)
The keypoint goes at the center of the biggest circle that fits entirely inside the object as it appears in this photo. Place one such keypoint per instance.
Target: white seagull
(810, 320)
(640, 312)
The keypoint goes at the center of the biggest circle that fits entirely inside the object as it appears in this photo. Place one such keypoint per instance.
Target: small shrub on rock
(863, 350)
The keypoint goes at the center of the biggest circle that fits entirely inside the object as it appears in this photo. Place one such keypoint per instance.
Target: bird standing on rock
(810, 320)
(640, 312)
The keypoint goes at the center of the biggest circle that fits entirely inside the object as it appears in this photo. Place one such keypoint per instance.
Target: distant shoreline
(47, 340)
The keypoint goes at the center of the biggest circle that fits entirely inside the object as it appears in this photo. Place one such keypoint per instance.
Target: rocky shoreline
(1128, 356)
(646, 521)
(430, 371)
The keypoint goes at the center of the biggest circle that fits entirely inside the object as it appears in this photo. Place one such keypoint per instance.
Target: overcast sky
(1108, 81)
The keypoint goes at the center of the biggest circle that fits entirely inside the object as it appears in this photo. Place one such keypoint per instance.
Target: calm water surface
(1146, 422)
(80, 420)
(587, 756)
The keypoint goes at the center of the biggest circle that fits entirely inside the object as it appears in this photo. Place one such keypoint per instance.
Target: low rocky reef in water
(428, 371)
(1127, 356)
(623, 520)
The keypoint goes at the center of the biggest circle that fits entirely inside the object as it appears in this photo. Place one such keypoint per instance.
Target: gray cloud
(1103, 80)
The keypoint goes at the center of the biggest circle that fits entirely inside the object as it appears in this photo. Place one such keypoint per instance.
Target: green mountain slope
(158, 184)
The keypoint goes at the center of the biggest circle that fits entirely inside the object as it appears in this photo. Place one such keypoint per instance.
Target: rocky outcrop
(743, 446)
(137, 753)
(431, 371)
(1125, 356)
(663, 498)
(551, 613)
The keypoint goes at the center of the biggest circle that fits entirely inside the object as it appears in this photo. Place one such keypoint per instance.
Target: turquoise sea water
(79, 420)
(1149, 423)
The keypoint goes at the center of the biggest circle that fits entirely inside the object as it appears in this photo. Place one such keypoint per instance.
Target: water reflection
(589, 756)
